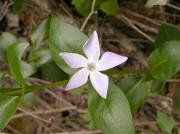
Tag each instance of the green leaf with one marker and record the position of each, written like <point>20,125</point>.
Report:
<point>157,85</point>
<point>112,114</point>
<point>21,48</point>
<point>39,34</point>
<point>19,5</point>
<point>40,57</point>
<point>83,7</point>
<point>151,3</point>
<point>64,37</point>
<point>136,91</point>
<point>6,39</point>
<point>8,106</point>
<point>28,100</point>
<point>27,69</point>
<point>164,62</point>
<point>14,65</point>
<point>110,7</point>
<point>176,100</point>
<point>166,123</point>
<point>53,72</point>
<point>166,33</point>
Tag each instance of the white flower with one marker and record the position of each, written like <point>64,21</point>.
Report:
<point>91,66</point>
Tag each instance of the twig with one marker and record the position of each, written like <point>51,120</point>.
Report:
<point>140,16</point>
<point>15,131</point>
<point>45,112</point>
<point>82,132</point>
<point>174,80</point>
<point>3,10</point>
<point>41,119</point>
<point>173,6</point>
<point>90,14</point>
<point>135,28</point>
<point>149,123</point>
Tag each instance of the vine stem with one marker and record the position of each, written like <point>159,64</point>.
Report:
<point>90,14</point>
<point>28,89</point>
<point>18,91</point>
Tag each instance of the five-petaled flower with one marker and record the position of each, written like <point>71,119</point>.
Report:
<point>91,66</point>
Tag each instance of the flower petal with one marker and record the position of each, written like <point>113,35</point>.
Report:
<point>110,60</point>
<point>74,60</point>
<point>100,82</point>
<point>91,48</point>
<point>78,79</point>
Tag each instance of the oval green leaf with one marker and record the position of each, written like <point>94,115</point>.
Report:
<point>164,62</point>
<point>8,106</point>
<point>112,114</point>
<point>14,65</point>
<point>64,37</point>
<point>136,91</point>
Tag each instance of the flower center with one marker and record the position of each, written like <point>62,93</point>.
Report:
<point>91,66</point>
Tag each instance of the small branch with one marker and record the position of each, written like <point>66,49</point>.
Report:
<point>41,119</point>
<point>136,28</point>
<point>173,6</point>
<point>83,132</point>
<point>18,91</point>
<point>46,112</point>
<point>90,14</point>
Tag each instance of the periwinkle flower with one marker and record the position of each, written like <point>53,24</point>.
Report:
<point>91,66</point>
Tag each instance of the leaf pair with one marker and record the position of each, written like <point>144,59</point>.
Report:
<point>19,70</point>
<point>164,61</point>
<point>110,7</point>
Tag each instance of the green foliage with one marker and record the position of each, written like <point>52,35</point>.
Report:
<point>28,100</point>
<point>166,33</point>
<point>53,72</point>
<point>176,100</point>
<point>64,38</point>
<point>40,57</point>
<point>39,34</point>
<point>157,85</point>
<point>83,7</point>
<point>136,90</point>
<point>20,70</point>
<point>112,114</point>
<point>151,3</point>
<point>14,65</point>
<point>6,39</point>
<point>8,106</point>
<point>164,61</point>
<point>39,53</point>
<point>110,7</point>
<point>19,5</point>
<point>166,123</point>
<point>18,50</point>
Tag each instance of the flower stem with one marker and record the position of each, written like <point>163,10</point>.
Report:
<point>18,91</point>
<point>28,89</point>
